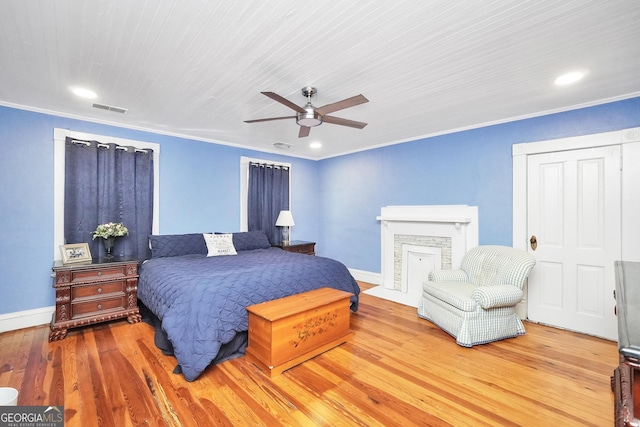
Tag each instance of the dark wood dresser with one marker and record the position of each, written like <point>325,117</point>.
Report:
<point>626,388</point>
<point>301,247</point>
<point>92,293</point>
<point>626,377</point>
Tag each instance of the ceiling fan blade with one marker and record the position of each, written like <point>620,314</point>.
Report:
<point>269,119</point>
<point>304,131</point>
<point>340,105</point>
<point>343,122</point>
<point>284,101</point>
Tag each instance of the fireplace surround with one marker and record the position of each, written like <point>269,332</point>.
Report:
<point>418,239</point>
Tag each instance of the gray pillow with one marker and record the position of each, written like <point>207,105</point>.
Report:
<point>177,244</point>
<point>247,240</point>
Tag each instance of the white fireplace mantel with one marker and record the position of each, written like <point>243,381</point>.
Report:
<point>457,221</point>
<point>431,213</point>
<point>420,219</point>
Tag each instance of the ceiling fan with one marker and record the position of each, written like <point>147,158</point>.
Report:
<point>310,116</point>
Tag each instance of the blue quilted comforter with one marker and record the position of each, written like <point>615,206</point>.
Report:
<point>201,300</point>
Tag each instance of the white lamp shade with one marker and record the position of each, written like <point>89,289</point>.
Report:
<point>285,219</point>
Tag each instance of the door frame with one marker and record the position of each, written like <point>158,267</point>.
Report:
<point>629,140</point>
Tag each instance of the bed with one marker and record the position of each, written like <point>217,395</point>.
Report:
<point>197,300</point>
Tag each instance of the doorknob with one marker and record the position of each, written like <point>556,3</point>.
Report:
<point>534,242</point>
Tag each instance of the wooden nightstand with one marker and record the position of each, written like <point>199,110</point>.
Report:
<point>92,293</point>
<point>301,247</point>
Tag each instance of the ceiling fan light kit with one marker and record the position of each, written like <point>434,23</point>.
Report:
<point>310,116</point>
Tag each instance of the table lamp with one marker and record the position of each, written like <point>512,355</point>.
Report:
<point>285,220</point>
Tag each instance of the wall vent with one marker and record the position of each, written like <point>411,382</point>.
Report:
<point>110,108</point>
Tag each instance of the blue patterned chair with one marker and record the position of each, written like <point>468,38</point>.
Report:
<point>476,304</point>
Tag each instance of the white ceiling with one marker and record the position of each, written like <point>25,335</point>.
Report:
<point>196,68</point>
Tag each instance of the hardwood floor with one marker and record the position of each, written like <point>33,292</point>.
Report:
<point>398,370</point>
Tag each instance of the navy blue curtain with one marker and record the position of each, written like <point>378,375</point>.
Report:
<point>268,195</point>
<point>108,183</point>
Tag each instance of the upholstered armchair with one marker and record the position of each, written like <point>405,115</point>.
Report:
<point>476,304</point>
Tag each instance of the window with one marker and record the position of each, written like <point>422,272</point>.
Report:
<point>59,177</point>
<point>279,200</point>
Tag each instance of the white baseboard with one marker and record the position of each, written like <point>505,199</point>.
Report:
<point>366,276</point>
<point>26,318</point>
<point>393,295</point>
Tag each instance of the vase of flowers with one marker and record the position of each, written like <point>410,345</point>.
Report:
<point>108,232</point>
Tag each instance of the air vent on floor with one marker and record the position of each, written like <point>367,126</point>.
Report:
<point>110,108</point>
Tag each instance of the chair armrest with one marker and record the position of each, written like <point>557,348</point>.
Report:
<point>448,276</point>
<point>497,296</point>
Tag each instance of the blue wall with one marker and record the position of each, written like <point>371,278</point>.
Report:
<point>473,167</point>
<point>199,191</point>
<point>335,201</point>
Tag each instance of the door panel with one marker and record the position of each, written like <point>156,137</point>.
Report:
<point>550,274</point>
<point>590,280</point>
<point>574,211</point>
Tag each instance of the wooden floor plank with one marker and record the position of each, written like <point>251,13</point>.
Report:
<point>9,351</point>
<point>398,369</point>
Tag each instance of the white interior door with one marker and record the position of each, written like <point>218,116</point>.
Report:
<point>573,208</point>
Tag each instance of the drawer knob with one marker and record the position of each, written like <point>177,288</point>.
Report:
<point>99,290</point>
<point>99,273</point>
<point>99,306</point>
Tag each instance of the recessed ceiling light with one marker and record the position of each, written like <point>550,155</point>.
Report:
<point>570,77</point>
<point>84,93</point>
<point>315,145</point>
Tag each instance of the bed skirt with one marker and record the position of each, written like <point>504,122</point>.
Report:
<point>234,348</point>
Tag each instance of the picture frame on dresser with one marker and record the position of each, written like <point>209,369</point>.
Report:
<point>75,253</point>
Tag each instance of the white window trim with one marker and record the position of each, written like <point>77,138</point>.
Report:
<point>244,187</point>
<point>59,136</point>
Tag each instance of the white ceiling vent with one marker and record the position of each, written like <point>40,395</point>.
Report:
<point>110,108</point>
<point>282,145</point>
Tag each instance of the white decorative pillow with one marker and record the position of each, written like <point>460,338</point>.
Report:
<point>219,244</point>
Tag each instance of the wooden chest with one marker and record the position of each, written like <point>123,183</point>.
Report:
<point>287,331</point>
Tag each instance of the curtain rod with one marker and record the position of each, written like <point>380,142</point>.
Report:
<point>267,165</point>
<point>79,141</point>
<point>118,147</point>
